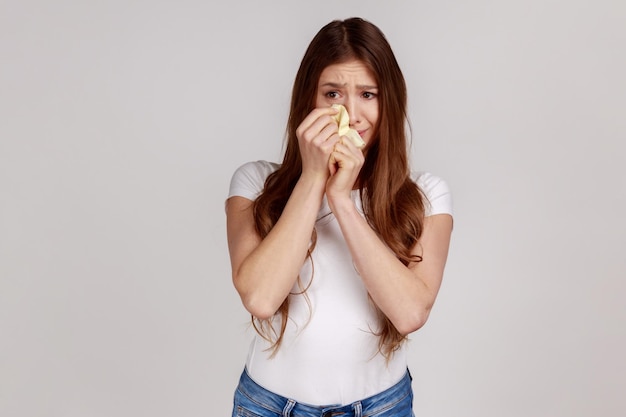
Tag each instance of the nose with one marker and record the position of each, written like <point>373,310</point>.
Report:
<point>353,110</point>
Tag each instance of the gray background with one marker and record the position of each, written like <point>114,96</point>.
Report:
<point>121,123</point>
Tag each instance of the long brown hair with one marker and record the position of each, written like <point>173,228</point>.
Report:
<point>393,204</point>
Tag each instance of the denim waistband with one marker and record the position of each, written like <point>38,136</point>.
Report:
<point>287,407</point>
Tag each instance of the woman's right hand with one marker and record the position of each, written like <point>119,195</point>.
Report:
<point>317,136</point>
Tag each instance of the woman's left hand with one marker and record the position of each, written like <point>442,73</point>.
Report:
<point>344,164</point>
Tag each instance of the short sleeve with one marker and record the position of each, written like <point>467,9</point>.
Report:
<point>437,193</point>
<point>248,180</point>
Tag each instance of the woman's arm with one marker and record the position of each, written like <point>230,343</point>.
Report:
<point>265,270</point>
<point>405,294</point>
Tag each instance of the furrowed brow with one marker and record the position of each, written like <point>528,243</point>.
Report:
<point>360,86</point>
<point>333,85</point>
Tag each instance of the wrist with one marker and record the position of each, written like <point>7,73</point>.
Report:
<point>313,181</point>
<point>341,204</point>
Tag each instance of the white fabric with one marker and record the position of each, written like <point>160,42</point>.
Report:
<point>329,354</point>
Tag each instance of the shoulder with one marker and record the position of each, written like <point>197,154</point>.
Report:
<point>248,179</point>
<point>256,169</point>
<point>436,191</point>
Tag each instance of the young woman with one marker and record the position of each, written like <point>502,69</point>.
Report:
<point>338,252</point>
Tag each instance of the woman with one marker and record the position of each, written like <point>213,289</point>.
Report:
<point>338,252</point>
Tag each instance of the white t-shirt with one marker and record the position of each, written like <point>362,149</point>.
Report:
<point>329,354</point>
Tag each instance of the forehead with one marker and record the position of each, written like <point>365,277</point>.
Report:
<point>345,72</point>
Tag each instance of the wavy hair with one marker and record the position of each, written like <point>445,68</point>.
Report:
<point>393,203</point>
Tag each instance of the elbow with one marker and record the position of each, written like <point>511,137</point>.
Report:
<point>413,321</point>
<point>258,307</point>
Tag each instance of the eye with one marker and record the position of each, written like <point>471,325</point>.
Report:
<point>332,94</point>
<point>369,95</point>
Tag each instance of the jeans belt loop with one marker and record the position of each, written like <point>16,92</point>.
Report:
<point>288,407</point>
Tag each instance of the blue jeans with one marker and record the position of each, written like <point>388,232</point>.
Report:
<point>252,400</point>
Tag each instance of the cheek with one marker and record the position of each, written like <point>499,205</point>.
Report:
<point>373,115</point>
<point>320,101</point>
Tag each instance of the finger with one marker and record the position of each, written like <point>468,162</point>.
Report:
<point>348,147</point>
<point>317,119</point>
<point>327,137</point>
<point>340,157</point>
<point>342,146</point>
<point>346,156</point>
<point>332,164</point>
<point>319,132</point>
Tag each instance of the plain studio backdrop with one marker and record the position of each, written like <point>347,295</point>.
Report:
<point>121,123</point>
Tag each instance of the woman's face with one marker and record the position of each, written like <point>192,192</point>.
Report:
<point>352,84</point>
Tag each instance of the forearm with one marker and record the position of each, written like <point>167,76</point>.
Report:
<point>267,275</point>
<point>400,294</point>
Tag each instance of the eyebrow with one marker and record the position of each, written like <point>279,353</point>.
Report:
<point>360,86</point>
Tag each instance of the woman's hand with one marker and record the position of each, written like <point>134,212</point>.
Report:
<point>344,165</point>
<point>317,136</point>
